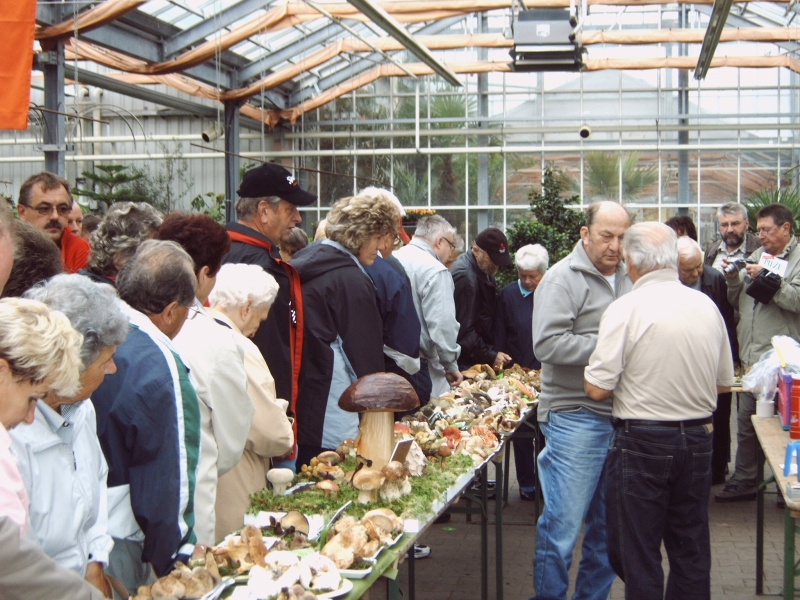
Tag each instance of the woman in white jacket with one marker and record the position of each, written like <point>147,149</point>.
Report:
<point>59,455</point>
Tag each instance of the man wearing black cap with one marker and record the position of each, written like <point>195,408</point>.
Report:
<point>476,298</point>
<point>267,213</point>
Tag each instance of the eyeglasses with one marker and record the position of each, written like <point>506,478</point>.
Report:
<point>45,208</point>
<point>767,230</point>
<point>451,244</point>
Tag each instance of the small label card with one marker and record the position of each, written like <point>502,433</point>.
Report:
<point>776,265</point>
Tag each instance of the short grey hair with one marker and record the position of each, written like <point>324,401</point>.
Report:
<point>433,227</point>
<point>92,308</point>
<point>247,208</point>
<point>458,242</point>
<point>532,257</point>
<point>161,272</point>
<point>688,248</point>
<point>239,283</point>
<point>120,232</point>
<point>732,208</point>
<point>650,246</point>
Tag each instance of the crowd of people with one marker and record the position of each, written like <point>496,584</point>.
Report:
<point>154,373</point>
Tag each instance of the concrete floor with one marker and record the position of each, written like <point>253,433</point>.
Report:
<point>452,572</point>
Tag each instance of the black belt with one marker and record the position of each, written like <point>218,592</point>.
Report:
<point>645,423</point>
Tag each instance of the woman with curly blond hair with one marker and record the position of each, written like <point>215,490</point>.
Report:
<point>39,351</point>
<point>343,332</point>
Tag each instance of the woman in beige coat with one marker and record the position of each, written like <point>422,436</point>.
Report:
<point>241,300</point>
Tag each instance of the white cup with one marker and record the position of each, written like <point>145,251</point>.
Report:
<point>765,409</point>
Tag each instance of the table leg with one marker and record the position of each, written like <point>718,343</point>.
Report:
<point>498,531</point>
<point>393,589</point>
<point>484,534</point>
<point>506,460</point>
<point>760,523</point>
<point>788,554</point>
<point>412,592</point>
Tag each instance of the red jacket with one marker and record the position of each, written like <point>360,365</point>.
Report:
<point>74,251</point>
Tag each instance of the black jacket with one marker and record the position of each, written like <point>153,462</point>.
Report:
<point>273,335</point>
<point>712,284</point>
<point>476,300</point>
<point>513,326</point>
<point>338,303</point>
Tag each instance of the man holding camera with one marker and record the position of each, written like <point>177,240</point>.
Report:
<point>766,290</point>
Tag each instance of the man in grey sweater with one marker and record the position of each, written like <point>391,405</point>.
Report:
<point>568,305</point>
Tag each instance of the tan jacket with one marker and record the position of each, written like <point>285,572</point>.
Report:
<point>759,322</point>
<point>270,435</point>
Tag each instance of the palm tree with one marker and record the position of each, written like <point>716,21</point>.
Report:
<point>602,175</point>
<point>790,197</point>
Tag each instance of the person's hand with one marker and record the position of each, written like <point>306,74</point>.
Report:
<point>454,378</point>
<point>754,270</point>
<point>501,359</point>
<point>96,577</point>
<point>725,264</point>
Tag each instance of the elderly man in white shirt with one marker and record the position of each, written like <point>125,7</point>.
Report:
<point>662,354</point>
<point>432,286</point>
<point>59,455</point>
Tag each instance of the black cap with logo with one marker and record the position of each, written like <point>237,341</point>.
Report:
<point>494,242</point>
<point>271,179</point>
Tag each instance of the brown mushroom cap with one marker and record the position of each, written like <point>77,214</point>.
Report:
<point>379,391</point>
<point>329,457</point>
<point>296,519</point>
<point>368,479</point>
<point>328,487</point>
<point>394,471</point>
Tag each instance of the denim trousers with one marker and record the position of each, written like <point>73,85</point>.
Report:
<point>658,483</point>
<point>571,468</point>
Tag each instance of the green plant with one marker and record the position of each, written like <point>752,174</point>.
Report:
<point>556,226</point>
<point>112,184</point>
<point>213,207</point>
<point>790,197</point>
<point>167,184</point>
<point>602,175</point>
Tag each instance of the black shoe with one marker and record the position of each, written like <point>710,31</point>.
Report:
<point>736,492</point>
<point>780,502</point>
<point>444,517</point>
<point>420,551</point>
<point>491,491</point>
<point>527,496</point>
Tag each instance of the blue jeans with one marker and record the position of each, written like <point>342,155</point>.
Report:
<point>657,488</point>
<point>571,475</point>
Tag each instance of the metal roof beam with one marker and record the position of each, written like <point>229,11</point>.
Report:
<point>202,30</point>
<point>148,95</point>
<point>361,65</point>
<point>256,68</point>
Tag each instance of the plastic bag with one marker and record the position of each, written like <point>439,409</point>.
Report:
<point>762,379</point>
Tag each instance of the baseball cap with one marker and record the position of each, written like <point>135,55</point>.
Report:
<point>271,179</point>
<point>494,242</point>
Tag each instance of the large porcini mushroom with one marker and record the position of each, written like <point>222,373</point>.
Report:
<point>378,396</point>
<point>368,481</point>
<point>280,480</point>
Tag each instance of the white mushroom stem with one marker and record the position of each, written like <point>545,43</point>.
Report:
<point>376,437</point>
<point>366,496</point>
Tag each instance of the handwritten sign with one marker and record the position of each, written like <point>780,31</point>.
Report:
<point>776,265</point>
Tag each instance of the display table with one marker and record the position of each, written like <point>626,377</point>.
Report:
<point>772,443</point>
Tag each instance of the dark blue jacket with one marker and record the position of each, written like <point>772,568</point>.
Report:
<point>513,326</point>
<point>148,423</point>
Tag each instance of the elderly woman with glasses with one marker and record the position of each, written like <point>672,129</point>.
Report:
<point>39,351</point>
<point>343,331</point>
<point>241,300</point>
<point>59,455</point>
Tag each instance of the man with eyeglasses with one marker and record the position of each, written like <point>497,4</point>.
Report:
<point>735,241</point>
<point>432,288</point>
<point>45,202</point>
<point>768,305</point>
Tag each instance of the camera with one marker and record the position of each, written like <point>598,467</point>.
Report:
<point>585,131</point>
<point>735,266</point>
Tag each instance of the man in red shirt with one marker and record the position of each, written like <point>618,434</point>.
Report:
<point>45,202</point>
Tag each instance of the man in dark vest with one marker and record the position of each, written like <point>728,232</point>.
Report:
<point>266,214</point>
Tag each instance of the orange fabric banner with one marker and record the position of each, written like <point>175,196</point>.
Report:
<point>17,22</point>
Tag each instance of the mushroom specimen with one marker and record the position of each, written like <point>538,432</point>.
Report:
<point>328,487</point>
<point>368,481</point>
<point>378,396</point>
<point>280,480</point>
<point>444,451</point>
<point>396,482</point>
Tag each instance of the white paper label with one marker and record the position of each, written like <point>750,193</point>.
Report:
<point>543,30</point>
<point>776,265</point>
